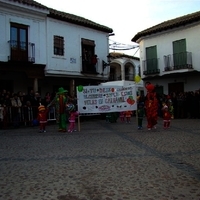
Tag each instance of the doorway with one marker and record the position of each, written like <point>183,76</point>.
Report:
<point>175,87</point>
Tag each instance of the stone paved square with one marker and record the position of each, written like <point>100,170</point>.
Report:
<point>104,161</point>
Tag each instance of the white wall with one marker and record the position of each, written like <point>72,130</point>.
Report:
<point>72,38</point>
<point>163,41</point>
<point>37,32</point>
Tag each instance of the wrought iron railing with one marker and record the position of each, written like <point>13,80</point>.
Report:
<point>21,51</point>
<point>177,61</point>
<point>150,66</point>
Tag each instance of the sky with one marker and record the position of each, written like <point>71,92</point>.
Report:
<point>127,17</point>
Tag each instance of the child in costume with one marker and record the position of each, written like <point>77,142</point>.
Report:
<point>128,114</point>
<point>140,115</point>
<point>166,117</point>
<point>111,117</point>
<point>171,108</point>
<point>72,117</point>
<point>42,118</point>
<point>108,116</point>
<point>122,116</point>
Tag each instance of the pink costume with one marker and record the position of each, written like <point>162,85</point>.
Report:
<point>72,120</point>
<point>122,115</point>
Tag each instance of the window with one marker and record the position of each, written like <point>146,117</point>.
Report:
<point>151,55</point>
<point>19,42</point>
<point>58,45</point>
<point>88,53</point>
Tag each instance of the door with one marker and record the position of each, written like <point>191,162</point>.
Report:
<point>19,42</point>
<point>175,87</point>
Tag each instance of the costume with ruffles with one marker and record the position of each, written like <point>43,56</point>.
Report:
<point>151,106</point>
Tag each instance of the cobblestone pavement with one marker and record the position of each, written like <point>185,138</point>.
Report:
<point>104,161</point>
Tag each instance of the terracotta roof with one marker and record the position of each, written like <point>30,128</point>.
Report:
<point>170,24</point>
<point>74,19</point>
<point>31,3</point>
<point>66,16</point>
<point>114,55</point>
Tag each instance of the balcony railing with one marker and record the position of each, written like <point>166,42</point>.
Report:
<point>150,66</point>
<point>21,51</point>
<point>129,77</point>
<point>178,61</point>
<point>89,68</point>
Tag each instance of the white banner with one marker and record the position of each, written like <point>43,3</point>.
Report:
<point>104,99</point>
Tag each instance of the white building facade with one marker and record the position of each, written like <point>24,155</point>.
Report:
<point>22,44</point>
<point>44,49</point>
<point>169,54</point>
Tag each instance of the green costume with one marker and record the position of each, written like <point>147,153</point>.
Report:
<point>60,103</point>
<point>112,117</point>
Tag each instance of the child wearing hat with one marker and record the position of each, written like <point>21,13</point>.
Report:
<point>42,118</point>
<point>166,116</point>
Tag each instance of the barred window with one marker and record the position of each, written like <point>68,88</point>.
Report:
<point>58,45</point>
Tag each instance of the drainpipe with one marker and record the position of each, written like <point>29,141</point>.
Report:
<point>72,87</point>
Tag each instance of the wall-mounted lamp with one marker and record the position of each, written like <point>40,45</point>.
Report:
<point>104,64</point>
<point>111,34</point>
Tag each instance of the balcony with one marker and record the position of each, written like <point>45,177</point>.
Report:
<point>129,77</point>
<point>89,68</point>
<point>150,66</point>
<point>178,61</point>
<point>21,52</point>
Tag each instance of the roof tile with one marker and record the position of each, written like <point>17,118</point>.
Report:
<point>170,24</point>
<point>66,16</point>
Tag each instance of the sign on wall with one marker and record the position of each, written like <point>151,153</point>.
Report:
<point>103,99</point>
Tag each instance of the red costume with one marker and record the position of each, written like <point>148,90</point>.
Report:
<point>42,118</point>
<point>151,106</point>
<point>166,117</point>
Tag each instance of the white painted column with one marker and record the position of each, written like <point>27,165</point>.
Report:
<point>122,72</point>
<point>35,85</point>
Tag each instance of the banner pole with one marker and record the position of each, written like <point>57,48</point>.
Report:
<point>79,125</point>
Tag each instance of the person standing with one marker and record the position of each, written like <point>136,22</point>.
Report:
<point>166,117</point>
<point>42,118</point>
<point>72,117</point>
<point>140,115</point>
<point>16,110</point>
<point>151,106</point>
<point>60,101</point>
<point>128,114</point>
<point>122,116</point>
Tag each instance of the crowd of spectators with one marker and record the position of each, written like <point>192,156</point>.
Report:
<point>185,104</point>
<point>32,98</point>
<point>13,104</point>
